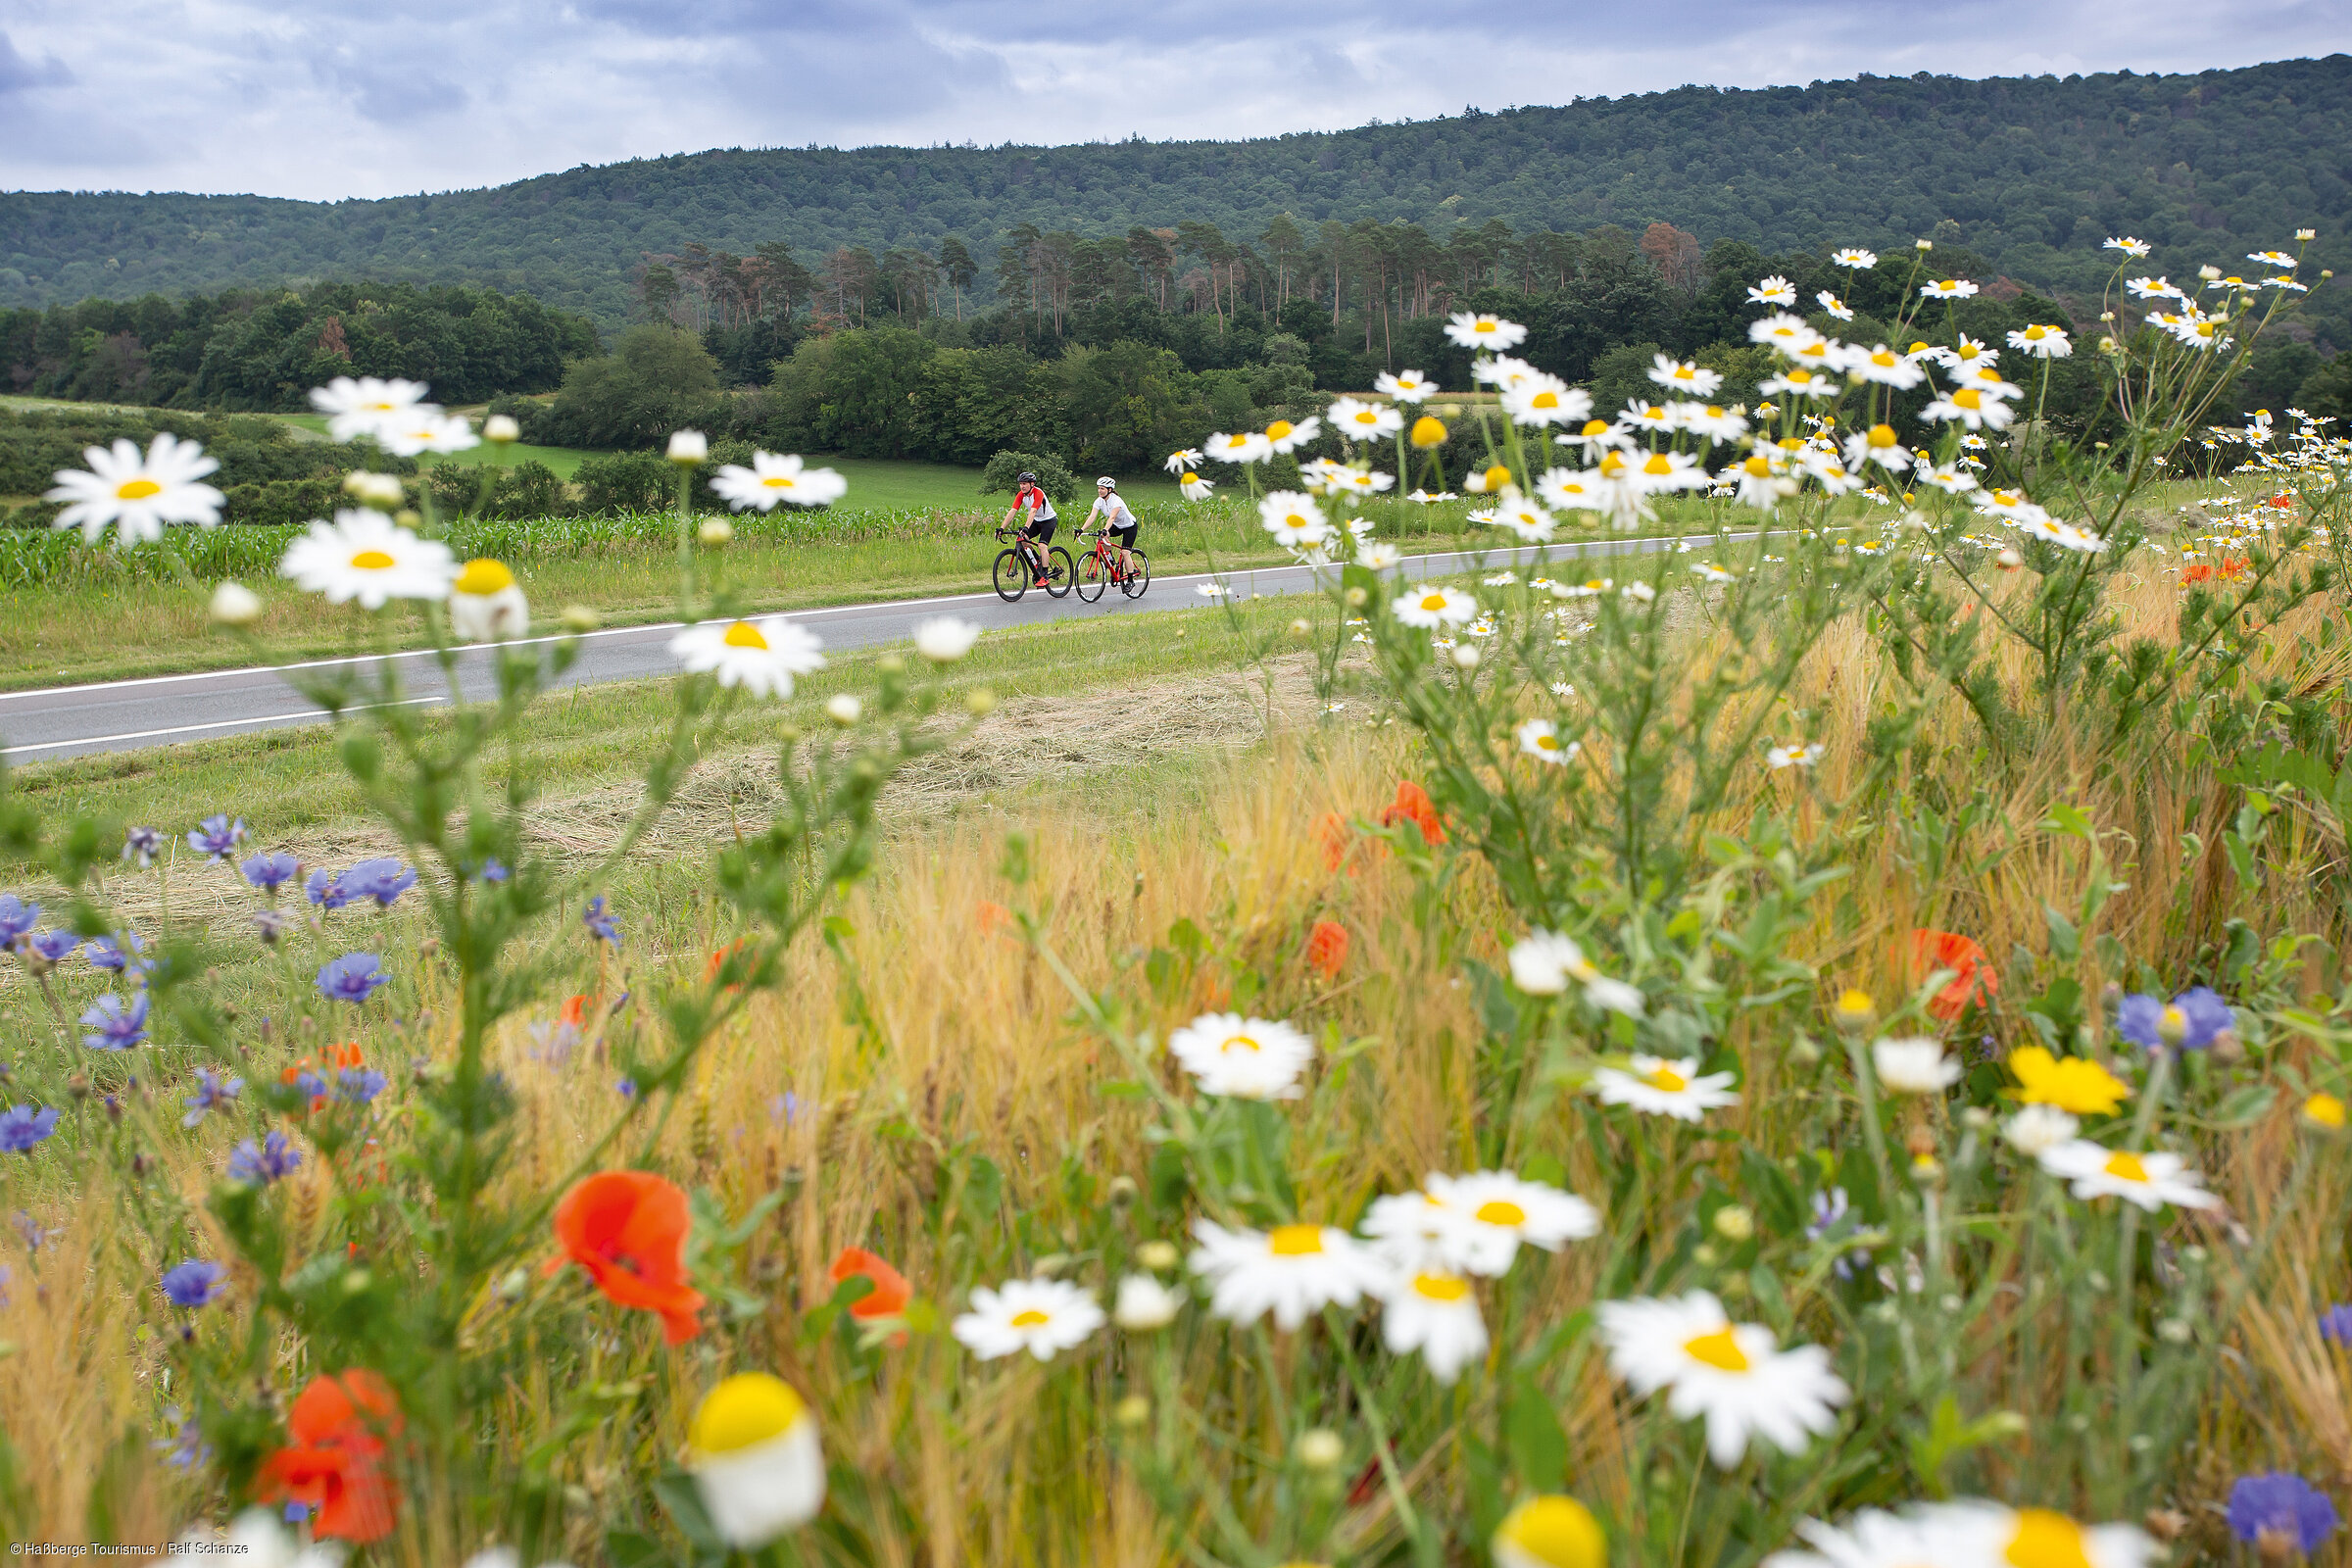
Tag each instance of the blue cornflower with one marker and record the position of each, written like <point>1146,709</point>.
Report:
<point>16,918</point>
<point>216,838</point>
<point>325,889</point>
<point>601,925</point>
<point>21,1127</point>
<point>492,869</point>
<point>2281,1506</point>
<point>270,870</point>
<point>115,953</point>
<point>2335,1324</point>
<point>383,880</point>
<point>29,1228</point>
<point>628,1088</point>
<point>212,1092</point>
<point>195,1283</point>
<point>142,844</point>
<point>352,977</point>
<point>54,947</point>
<point>357,1086</point>
<point>307,1084</point>
<point>114,1026</point>
<point>2191,1020</point>
<point>1833,1221</point>
<point>784,1108</point>
<point>274,1157</point>
<point>186,1449</point>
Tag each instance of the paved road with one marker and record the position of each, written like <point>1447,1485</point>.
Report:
<point>57,721</point>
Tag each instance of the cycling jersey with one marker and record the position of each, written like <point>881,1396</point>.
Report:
<point>1118,518</point>
<point>1040,507</point>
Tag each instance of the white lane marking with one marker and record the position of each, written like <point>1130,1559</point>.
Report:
<point>190,729</point>
<point>1577,547</point>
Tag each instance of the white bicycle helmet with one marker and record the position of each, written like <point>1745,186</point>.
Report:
<point>1108,480</point>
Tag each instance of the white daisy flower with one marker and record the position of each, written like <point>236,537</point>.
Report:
<point>944,639</point>
<point>425,429</point>
<point>137,495</point>
<point>760,656</point>
<point>1774,290</point>
<point>1915,1066</point>
<point>1659,1087</point>
<point>1978,410</point>
<point>1681,375</point>
<point>1718,424</point>
<point>1406,386</point>
<point>1733,1374</point>
<point>1972,1530</point>
<point>1550,1531</point>
<point>2153,288</point>
<point>2128,245</point>
<point>1539,739</point>
<point>1359,420</point>
<point>1195,488</point>
<point>1577,490</point>
<point>2150,1180</point>
<point>1179,462</point>
<point>1470,330</point>
<point>1637,592</point>
<point>1951,479</point>
<point>1044,1317</point>
<point>1545,400</point>
<point>1802,755</point>
<point>1294,519</point>
<point>1284,436</point>
<point>365,556</point>
<point>1243,1058</point>
<point>1987,379</point>
<point>2065,536</point>
<point>1485,1217</point>
<point>1871,1539</point>
<point>1438,1315</point>
<point>1358,483</point>
<point>1430,608</point>
<point>772,478</point>
<point>1660,472</point>
<point>1291,1271</point>
<point>2036,1130</point>
<point>1798,382</point>
<point>1785,332</point>
<point>1522,516</point>
<point>1246,446</point>
<point>1947,289</point>
<point>1373,555</point>
<point>1598,436</point>
<point>1834,306</point>
<point>1359,528</point>
<point>1709,573</point>
<point>1880,445</point>
<point>1855,258</point>
<point>2201,331</point>
<point>1504,372</point>
<point>486,603</point>
<point>2043,342</point>
<point>1885,366</point>
<point>1144,1304</point>
<point>364,408</point>
<point>758,1464</point>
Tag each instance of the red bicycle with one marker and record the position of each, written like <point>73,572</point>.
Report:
<point>1101,566</point>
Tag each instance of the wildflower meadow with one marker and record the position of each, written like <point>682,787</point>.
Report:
<point>1821,1040</point>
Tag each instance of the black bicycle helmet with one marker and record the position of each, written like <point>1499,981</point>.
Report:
<point>1027,477</point>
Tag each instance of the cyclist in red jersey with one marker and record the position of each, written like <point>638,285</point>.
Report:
<point>1036,512</point>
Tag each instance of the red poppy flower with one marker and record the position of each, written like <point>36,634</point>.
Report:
<point>1327,948</point>
<point>339,1426</point>
<point>575,1011</point>
<point>1331,829</point>
<point>1413,805</point>
<point>890,1291</point>
<point>1972,977</point>
<point>992,916</point>
<point>627,1228</point>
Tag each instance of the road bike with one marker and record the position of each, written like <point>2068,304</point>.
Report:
<point>1018,562</point>
<point>1099,567</point>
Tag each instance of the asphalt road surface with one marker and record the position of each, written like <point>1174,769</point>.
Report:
<point>50,722</point>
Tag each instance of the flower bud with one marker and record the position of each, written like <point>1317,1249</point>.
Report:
<point>1302,627</point>
<point>844,709</point>
<point>1123,1191</point>
<point>2166,1524</point>
<point>687,448</point>
<point>2324,1113</point>
<point>378,490</point>
<point>578,619</point>
<point>2210,273</point>
<point>500,430</point>
<point>1321,1448</point>
<point>1735,1224</point>
<point>1428,432</point>
<point>1144,1304</point>
<point>980,702</point>
<point>409,518</point>
<point>235,605</point>
<point>1132,1411</point>
<point>1157,1254</point>
<point>1465,656</point>
<point>1355,598</point>
<point>2008,560</point>
<point>714,531</point>
<point>1854,1012</point>
<point>2226,1049</point>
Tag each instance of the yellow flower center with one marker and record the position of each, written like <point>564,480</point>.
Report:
<point>1666,1078</point>
<point>778,481</point>
<point>2125,1166</point>
<point>1191,478</point>
<point>1500,1210</point>
<point>1433,603</point>
<point>2325,1111</point>
<point>1296,1241</point>
<point>1593,427</point>
<point>1543,742</point>
<point>1486,323</point>
<point>1854,1003</point>
<point>1967,397</point>
<point>1612,466</point>
<point>2045,1540</point>
<point>743,634</point>
<point>484,577</point>
<point>1756,467</point>
<point>372,561</point>
<point>1235,1042</point>
<point>1882,436</point>
<point>1714,413</point>
<point>1719,1349</point>
<point>1557,1532</point>
<point>1657,465</point>
<point>1545,399</point>
<point>137,489</point>
<point>2034,335</point>
<point>1031,1319</point>
<point>1295,521</point>
<point>1366,417</point>
<point>1884,359</point>
<point>1278,429</point>
<point>1441,1286</point>
<point>746,1409</point>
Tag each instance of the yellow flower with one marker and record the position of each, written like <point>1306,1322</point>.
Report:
<point>2074,1084</point>
<point>1550,1532</point>
<point>1855,1009</point>
<point>2325,1111</point>
<point>1428,431</point>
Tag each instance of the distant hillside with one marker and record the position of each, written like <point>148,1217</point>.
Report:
<point>2030,174</point>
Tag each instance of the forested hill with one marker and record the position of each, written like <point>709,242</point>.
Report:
<point>2033,172</point>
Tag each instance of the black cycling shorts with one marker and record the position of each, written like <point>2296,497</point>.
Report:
<point>1125,536</point>
<point>1041,529</point>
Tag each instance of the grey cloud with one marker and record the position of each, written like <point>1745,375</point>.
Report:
<point>19,74</point>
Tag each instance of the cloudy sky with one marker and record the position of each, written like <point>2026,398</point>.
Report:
<point>332,98</point>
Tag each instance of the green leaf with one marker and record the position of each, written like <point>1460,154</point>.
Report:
<point>684,1506</point>
<point>1539,1445</point>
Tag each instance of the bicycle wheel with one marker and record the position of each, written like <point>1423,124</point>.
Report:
<point>1091,578</point>
<point>1059,572</point>
<point>1011,574</point>
<point>1139,576</point>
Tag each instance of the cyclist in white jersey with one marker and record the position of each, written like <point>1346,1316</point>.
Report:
<point>1118,519</point>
